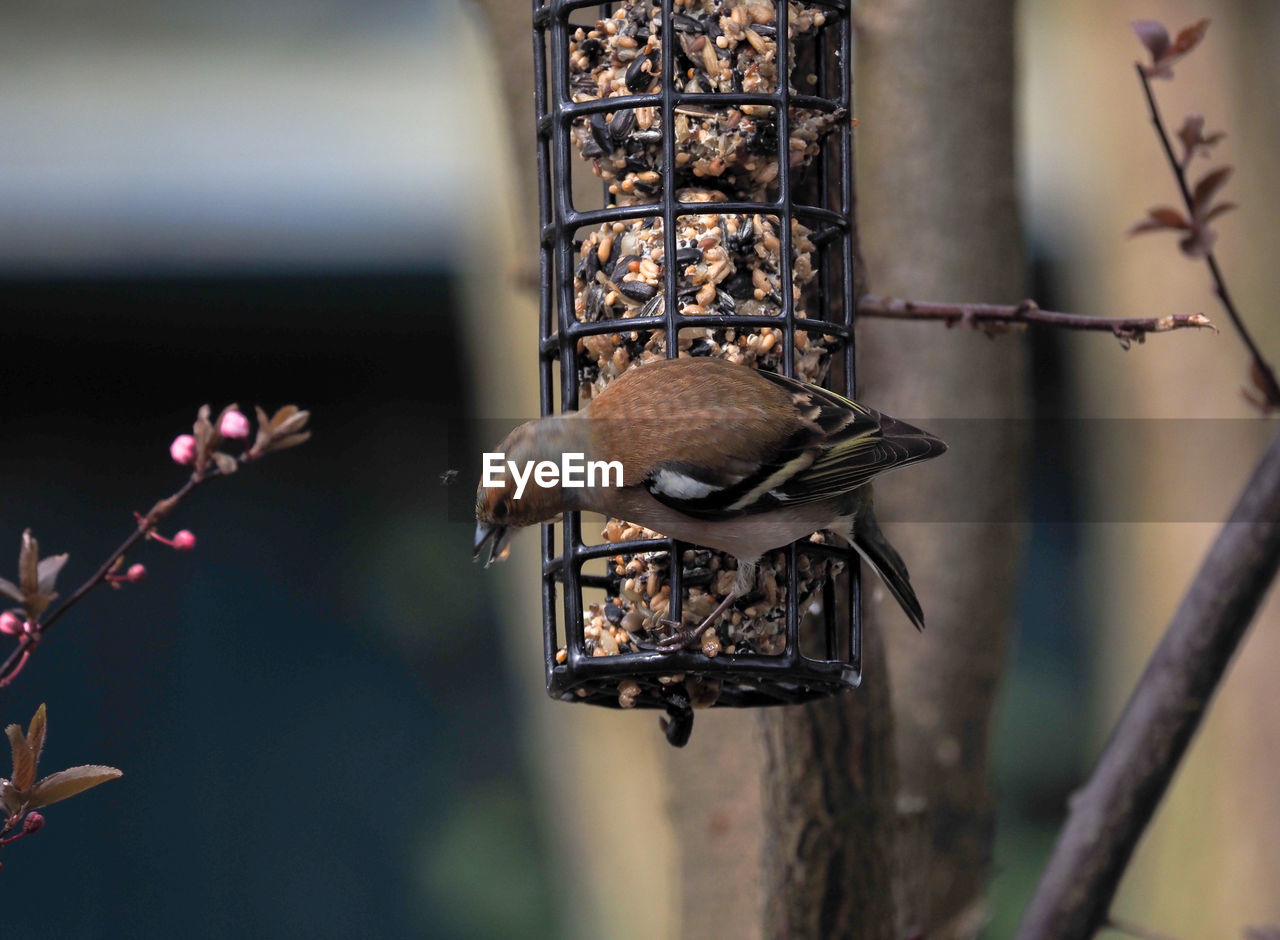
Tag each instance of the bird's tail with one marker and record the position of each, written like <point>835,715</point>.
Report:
<point>885,562</point>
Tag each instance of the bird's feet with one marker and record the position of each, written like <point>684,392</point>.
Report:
<point>681,638</point>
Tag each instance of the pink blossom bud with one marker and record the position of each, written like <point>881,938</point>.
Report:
<point>10,624</point>
<point>32,823</point>
<point>183,449</point>
<point>184,541</point>
<point>234,425</point>
<point>136,573</point>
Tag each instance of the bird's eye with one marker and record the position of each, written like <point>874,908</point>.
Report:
<point>500,509</point>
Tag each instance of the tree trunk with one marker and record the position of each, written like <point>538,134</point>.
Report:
<point>848,855</point>
<point>939,220</point>
<point>829,812</point>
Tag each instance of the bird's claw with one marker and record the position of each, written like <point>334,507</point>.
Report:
<point>680,638</point>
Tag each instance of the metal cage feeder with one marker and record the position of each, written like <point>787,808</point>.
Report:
<point>822,651</point>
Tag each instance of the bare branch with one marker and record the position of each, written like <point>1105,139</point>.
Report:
<point>18,657</point>
<point>1110,813</point>
<point>997,318</point>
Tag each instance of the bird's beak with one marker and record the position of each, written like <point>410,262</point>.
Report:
<point>500,538</point>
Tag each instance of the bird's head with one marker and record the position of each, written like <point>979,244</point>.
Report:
<point>513,498</point>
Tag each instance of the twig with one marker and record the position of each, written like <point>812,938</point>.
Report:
<point>997,317</point>
<point>1265,374</point>
<point>28,642</point>
<point>1110,813</point>
<point>147,524</point>
<point>281,431</point>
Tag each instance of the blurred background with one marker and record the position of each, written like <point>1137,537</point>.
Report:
<point>327,722</point>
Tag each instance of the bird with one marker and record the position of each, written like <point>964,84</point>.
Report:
<point>716,454</point>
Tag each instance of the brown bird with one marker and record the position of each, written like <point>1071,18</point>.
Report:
<point>716,454</point>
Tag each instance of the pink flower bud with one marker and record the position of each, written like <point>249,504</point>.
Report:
<point>183,449</point>
<point>136,573</point>
<point>184,541</point>
<point>234,425</point>
<point>32,823</point>
<point>10,624</point>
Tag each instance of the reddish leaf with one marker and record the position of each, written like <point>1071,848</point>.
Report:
<point>206,436</point>
<point>1167,215</point>
<point>29,564</point>
<point>1187,39</point>
<point>281,416</point>
<point>36,732</point>
<point>227,464</point>
<point>1220,209</point>
<point>10,797</point>
<point>202,430</point>
<point>69,782</point>
<point>23,793</point>
<point>295,422</point>
<point>47,571</point>
<point>1266,385</point>
<point>291,440</point>
<point>1164,53</point>
<point>1208,187</point>
<point>1257,377</point>
<point>24,762</point>
<point>263,437</point>
<point>1161,218</point>
<point>37,604</point>
<point>10,589</point>
<point>1199,242</point>
<point>1191,133</point>
<point>1193,138</point>
<point>1153,35</point>
<point>283,430</point>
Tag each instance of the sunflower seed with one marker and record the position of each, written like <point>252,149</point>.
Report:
<point>637,290</point>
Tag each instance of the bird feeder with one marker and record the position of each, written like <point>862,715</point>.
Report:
<point>720,134</point>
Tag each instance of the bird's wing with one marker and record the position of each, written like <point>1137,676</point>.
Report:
<point>827,446</point>
<point>705,491</point>
<point>859,444</point>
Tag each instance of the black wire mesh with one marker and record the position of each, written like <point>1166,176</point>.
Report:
<point>819,194</point>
